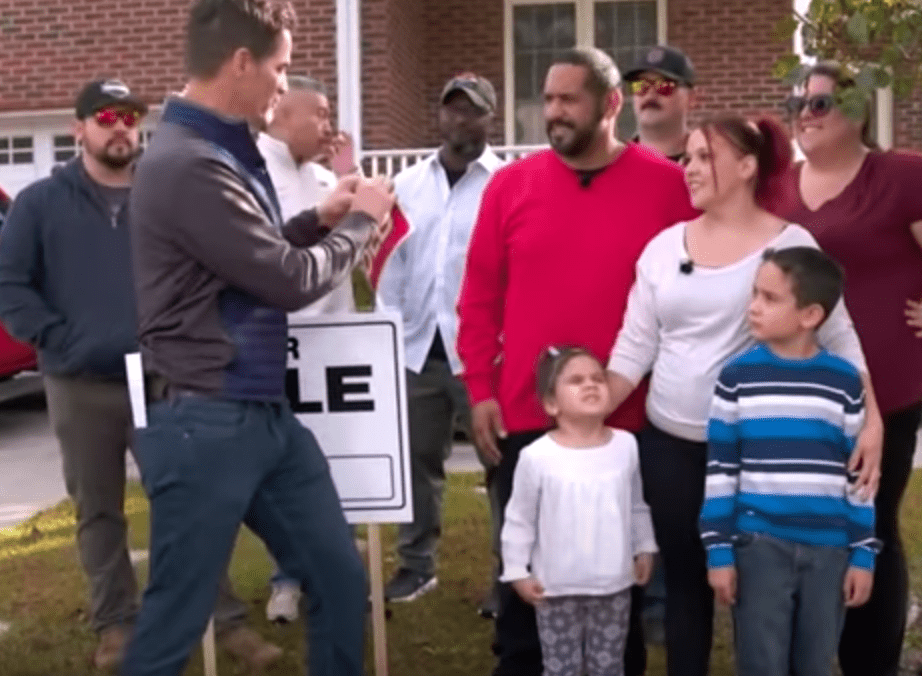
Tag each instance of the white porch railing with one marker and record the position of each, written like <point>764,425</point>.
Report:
<point>392,162</point>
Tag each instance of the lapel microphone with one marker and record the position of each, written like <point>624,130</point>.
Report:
<point>686,266</point>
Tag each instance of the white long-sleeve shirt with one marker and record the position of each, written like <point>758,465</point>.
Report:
<point>422,278</point>
<point>686,326</point>
<point>577,518</point>
<point>300,188</point>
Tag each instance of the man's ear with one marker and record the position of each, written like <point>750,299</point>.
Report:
<point>78,129</point>
<point>613,102</point>
<point>240,61</point>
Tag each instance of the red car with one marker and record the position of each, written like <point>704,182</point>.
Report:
<point>14,356</point>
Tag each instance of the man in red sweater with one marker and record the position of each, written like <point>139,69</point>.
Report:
<point>551,262</point>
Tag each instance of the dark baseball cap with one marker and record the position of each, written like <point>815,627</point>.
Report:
<point>668,62</point>
<point>477,89</point>
<point>98,94</point>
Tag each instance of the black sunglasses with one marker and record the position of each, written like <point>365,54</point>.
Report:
<point>818,104</point>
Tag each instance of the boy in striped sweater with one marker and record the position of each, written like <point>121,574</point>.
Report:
<point>790,544</point>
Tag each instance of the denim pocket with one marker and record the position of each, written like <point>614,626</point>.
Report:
<point>162,454</point>
<point>209,418</point>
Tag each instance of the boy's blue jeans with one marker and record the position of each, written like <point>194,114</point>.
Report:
<point>209,465</point>
<point>790,607</point>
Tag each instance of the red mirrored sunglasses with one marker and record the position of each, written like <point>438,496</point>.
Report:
<point>107,117</point>
<point>661,86</point>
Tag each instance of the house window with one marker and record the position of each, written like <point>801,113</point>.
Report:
<point>541,32</point>
<point>16,150</point>
<point>65,148</point>
<point>538,30</point>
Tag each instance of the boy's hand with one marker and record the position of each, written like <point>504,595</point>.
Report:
<point>723,582</point>
<point>858,585</point>
<point>530,590</point>
<point>643,568</point>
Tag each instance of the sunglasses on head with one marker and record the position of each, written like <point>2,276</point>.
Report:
<point>107,117</point>
<point>661,86</point>
<point>818,104</point>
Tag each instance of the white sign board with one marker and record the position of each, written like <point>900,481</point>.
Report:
<point>346,383</point>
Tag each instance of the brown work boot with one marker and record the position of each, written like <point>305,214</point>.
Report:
<point>111,649</point>
<point>244,644</point>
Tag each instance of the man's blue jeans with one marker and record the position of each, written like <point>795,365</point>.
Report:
<point>790,607</point>
<point>207,465</point>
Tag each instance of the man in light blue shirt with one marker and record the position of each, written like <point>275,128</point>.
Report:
<point>440,197</point>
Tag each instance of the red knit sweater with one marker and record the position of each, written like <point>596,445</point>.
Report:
<point>551,263</point>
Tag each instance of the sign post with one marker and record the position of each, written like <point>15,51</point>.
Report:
<point>346,382</point>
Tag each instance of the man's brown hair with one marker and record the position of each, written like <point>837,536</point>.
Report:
<point>218,28</point>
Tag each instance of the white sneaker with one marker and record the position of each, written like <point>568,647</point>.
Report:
<point>283,604</point>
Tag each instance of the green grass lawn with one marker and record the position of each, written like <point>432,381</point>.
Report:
<point>42,596</point>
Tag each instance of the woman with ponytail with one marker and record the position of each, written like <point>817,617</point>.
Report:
<point>686,316</point>
<point>864,207</point>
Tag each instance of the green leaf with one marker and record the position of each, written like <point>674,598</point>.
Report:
<point>866,79</point>
<point>853,101</point>
<point>784,29</point>
<point>902,87</point>
<point>882,78</point>
<point>903,34</point>
<point>858,28</point>
<point>785,66</point>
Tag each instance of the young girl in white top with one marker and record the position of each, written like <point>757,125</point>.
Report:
<point>686,317</point>
<point>577,532</point>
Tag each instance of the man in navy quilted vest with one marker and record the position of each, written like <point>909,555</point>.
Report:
<point>216,269</point>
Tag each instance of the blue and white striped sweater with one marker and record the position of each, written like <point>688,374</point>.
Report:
<point>779,439</point>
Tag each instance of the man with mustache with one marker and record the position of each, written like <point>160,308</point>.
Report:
<point>550,263</point>
<point>66,288</point>
<point>662,85</point>
<point>663,88</point>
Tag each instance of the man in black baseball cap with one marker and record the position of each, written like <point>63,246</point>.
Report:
<point>108,121</point>
<point>100,94</point>
<point>663,87</point>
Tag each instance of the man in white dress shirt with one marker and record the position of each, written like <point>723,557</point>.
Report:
<point>299,134</point>
<point>440,197</point>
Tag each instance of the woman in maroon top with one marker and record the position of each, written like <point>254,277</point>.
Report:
<point>864,206</point>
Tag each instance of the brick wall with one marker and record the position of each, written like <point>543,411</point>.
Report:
<point>393,72</point>
<point>51,47</point>
<point>730,43</point>
<point>410,47</point>
<point>469,35</point>
<point>907,127</point>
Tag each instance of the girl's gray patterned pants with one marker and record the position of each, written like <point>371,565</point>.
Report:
<point>584,634</point>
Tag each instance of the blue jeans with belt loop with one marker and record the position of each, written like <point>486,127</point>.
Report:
<point>209,465</point>
<point>790,606</point>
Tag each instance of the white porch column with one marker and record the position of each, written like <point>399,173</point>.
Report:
<point>349,71</point>
<point>885,118</point>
